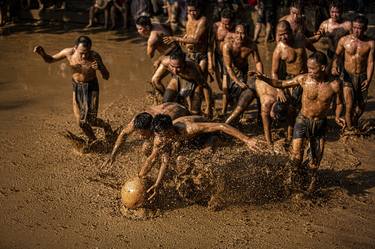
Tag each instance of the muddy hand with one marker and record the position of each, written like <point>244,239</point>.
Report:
<point>281,96</point>
<point>107,163</point>
<point>94,65</point>
<point>364,85</point>
<point>340,122</point>
<point>154,189</point>
<point>252,145</point>
<point>38,49</point>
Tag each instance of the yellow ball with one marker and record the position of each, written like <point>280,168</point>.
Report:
<point>133,193</point>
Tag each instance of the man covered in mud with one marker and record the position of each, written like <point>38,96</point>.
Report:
<point>295,18</point>
<point>154,32</point>
<point>187,77</point>
<point>167,133</point>
<point>333,28</point>
<point>141,125</point>
<point>84,63</point>
<point>289,59</point>
<point>196,37</point>
<point>311,122</point>
<point>215,56</point>
<point>357,51</point>
<point>236,53</point>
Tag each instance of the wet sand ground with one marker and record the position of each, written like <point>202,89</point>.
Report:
<point>51,197</point>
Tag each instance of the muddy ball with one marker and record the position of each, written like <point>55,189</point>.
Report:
<point>133,193</point>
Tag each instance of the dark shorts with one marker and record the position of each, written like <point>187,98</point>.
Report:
<point>185,89</point>
<point>354,82</point>
<point>219,62</point>
<point>197,57</point>
<point>234,91</point>
<point>313,130</point>
<point>267,15</point>
<point>87,99</point>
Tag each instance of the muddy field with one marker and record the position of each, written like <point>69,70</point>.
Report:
<point>52,197</point>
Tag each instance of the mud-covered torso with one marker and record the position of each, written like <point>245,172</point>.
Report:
<point>82,70</point>
<point>316,97</point>
<point>295,57</point>
<point>356,54</point>
<point>191,29</point>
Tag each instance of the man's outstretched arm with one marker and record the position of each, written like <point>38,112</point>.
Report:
<point>150,161</point>
<point>51,58</point>
<point>280,83</point>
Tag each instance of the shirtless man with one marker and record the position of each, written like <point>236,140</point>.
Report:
<point>295,18</point>
<point>357,51</point>
<point>236,53</point>
<point>290,51</point>
<point>311,122</point>
<point>84,63</point>
<point>141,125</point>
<point>180,130</point>
<point>98,6</point>
<point>196,37</point>
<point>215,56</point>
<point>187,77</point>
<point>334,28</point>
<point>154,32</point>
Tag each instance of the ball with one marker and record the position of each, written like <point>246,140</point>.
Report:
<point>133,193</point>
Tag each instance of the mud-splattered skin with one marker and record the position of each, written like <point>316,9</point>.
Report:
<point>82,61</point>
<point>358,54</point>
<point>295,20</point>
<point>174,110</point>
<point>155,36</point>
<point>184,128</point>
<point>333,28</point>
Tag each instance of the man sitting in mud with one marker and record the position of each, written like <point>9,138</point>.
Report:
<point>186,77</point>
<point>333,28</point>
<point>84,63</point>
<point>215,56</point>
<point>357,51</point>
<point>289,59</point>
<point>311,122</point>
<point>236,52</point>
<point>167,133</point>
<point>141,125</point>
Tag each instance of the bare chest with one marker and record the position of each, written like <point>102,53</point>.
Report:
<point>314,92</point>
<point>355,47</point>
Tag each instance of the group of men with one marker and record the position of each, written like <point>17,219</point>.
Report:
<point>302,87</point>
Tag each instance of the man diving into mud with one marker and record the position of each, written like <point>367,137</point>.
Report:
<point>311,122</point>
<point>84,63</point>
<point>141,125</point>
<point>168,133</point>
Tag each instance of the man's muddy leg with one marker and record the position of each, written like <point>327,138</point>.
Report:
<point>348,98</point>
<point>170,94</point>
<point>196,101</point>
<point>244,101</point>
<point>86,128</point>
<point>294,164</point>
<point>314,166</point>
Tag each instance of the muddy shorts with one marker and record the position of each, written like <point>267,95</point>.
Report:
<point>234,90</point>
<point>197,57</point>
<point>311,129</point>
<point>87,99</point>
<point>354,82</point>
<point>219,64</point>
<point>185,89</point>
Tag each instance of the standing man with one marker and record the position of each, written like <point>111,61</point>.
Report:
<point>311,123</point>
<point>334,28</point>
<point>357,51</point>
<point>215,56</point>
<point>266,16</point>
<point>84,63</point>
<point>290,51</point>
<point>236,54</point>
<point>295,18</point>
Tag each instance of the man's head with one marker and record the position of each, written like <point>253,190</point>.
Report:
<point>144,25</point>
<point>162,124</point>
<point>240,33</point>
<point>283,31</point>
<point>143,124</point>
<point>335,10</point>
<point>359,26</point>
<point>193,9</point>
<point>83,46</point>
<point>176,61</point>
<point>226,18</point>
<point>316,64</point>
<point>295,11</point>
